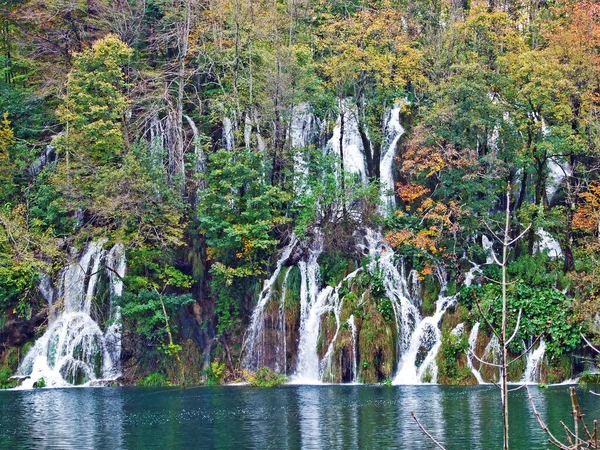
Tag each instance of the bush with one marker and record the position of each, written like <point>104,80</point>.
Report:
<point>265,377</point>
<point>5,381</point>
<point>154,379</point>
<point>215,373</point>
<point>589,378</point>
<point>39,384</point>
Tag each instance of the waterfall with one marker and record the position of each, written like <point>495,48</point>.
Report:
<point>473,335</point>
<point>417,363</point>
<point>74,349</point>
<point>310,370</point>
<point>426,336</point>
<point>393,133</point>
<point>546,242</point>
<point>282,367</point>
<point>354,154</point>
<point>406,313</point>
<point>535,359</point>
<point>354,332</point>
<point>228,128</point>
<point>253,357</point>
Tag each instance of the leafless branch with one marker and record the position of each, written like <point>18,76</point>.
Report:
<point>412,413</point>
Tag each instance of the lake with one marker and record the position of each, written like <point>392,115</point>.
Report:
<point>287,417</point>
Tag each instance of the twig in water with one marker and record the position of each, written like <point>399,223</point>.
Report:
<point>412,413</point>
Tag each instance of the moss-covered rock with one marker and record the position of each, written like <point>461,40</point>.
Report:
<point>377,340</point>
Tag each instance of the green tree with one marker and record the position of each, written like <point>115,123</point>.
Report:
<point>238,214</point>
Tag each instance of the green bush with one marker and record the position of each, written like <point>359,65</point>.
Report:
<point>265,377</point>
<point>589,378</point>
<point>215,373</point>
<point>5,381</point>
<point>39,384</point>
<point>154,379</point>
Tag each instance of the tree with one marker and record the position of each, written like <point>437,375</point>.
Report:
<point>94,106</point>
<point>7,139</point>
<point>238,214</point>
<point>369,56</point>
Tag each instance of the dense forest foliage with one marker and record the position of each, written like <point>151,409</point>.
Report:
<point>165,125</point>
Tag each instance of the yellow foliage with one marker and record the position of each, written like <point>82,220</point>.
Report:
<point>587,215</point>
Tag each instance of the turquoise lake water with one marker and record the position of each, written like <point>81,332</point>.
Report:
<point>287,417</point>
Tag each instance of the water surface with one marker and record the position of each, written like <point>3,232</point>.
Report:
<point>288,417</point>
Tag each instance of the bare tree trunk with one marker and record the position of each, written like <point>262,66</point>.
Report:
<point>503,362</point>
<point>183,32</point>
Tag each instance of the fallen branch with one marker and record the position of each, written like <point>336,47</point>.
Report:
<point>412,413</point>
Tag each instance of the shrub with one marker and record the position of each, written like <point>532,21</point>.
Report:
<point>265,377</point>
<point>589,378</point>
<point>215,373</point>
<point>5,381</point>
<point>154,379</point>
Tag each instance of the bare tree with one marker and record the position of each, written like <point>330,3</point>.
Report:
<point>504,338</point>
<point>580,437</point>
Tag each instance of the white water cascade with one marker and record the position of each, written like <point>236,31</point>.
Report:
<point>535,359</point>
<point>254,353</point>
<point>473,335</point>
<point>397,289</point>
<point>354,332</point>
<point>418,361</point>
<point>313,304</point>
<point>393,132</point>
<point>74,349</point>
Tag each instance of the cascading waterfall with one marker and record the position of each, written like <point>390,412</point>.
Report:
<point>254,353</point>
<point>535,359</point>
<point>354,332</point>
<point>417,363</point>
<point>393,132</point>
<point>473,335</point>
<point>313,304</point>
<point>75,350</point>
<point>354,153</point>
<point>419,339</point>
<point>335,306</point>
<point>426,335</point>
<point>383,262</point>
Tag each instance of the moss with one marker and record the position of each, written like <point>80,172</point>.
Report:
<point>39,384</point>
<point>154,379</point>
<point>430,293</point>
<point>559,369</point>
<point>589,378</point>
<point>334,267</point>
<point>5,381</point>
<point>376,343</point>
<point>452,360</point>
<point>516,369</point>
<point>191,357</point>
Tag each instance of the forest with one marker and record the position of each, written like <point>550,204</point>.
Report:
<point>208,191</point>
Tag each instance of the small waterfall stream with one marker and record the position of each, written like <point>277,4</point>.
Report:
<point>473,335</point>
<point>535,359</point>
<point>393,132</point>
<point>253,355</point>
<point>75,350</point>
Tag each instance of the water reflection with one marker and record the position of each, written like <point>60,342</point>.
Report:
<point>289,417</point>
<point>64,418</point>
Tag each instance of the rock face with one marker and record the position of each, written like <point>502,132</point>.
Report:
<point>17,332</point>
